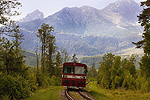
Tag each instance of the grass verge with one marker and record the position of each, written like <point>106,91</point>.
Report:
<point>116,94</point>
<point>50,93</point>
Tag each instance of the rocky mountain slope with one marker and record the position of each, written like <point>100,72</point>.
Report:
<point>33,16</point>
<point>90,31</point>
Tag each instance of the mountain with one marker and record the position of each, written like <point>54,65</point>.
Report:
<point>122,11</point>
<point>90,31</point>
<point>33,16</point>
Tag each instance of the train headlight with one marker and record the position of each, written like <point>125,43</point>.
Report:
<point>83,77</point>
<point>64,76</point>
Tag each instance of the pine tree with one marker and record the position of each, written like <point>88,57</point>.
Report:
<point>144,19</point>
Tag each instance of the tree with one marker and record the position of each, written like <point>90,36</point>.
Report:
<point>144,19</point>
<point>104,73</point>
<point>128,65</point>
<point>116,73</point>
<point>58,64</point>
<point>74,58</point>
<point>11,52</point>
<point>92,73</point>
<point>50,50</point>
<point>145,66</point>
<point>44,35</point>
<point>7,9</point>
<point>65,55</point>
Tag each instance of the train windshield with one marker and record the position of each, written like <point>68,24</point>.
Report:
<point>68,69</point>
<point>80,70</point>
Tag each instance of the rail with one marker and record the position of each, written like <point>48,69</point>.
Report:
<point>84,95</point>
<point>68,95</point>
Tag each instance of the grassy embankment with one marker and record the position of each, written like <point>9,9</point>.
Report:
<point>116,94</point>
<point>52,93</point>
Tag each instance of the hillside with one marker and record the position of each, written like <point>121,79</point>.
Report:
<point>88,31</point>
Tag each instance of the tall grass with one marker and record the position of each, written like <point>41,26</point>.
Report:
<point>51,93</point>
<point>116,94</point>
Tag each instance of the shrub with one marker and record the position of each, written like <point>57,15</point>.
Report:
<point>129,82</point>
<point>14,87</point>
<point>55,81</point>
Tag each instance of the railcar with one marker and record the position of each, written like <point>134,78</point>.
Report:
<point>74,75</point>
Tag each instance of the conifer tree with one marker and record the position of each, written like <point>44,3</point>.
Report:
<point>144,19</point>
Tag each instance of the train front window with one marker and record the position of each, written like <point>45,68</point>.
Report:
<point>68,69</point>
<point>80,70</point>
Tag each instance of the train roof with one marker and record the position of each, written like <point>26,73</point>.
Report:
<point>72,63</point>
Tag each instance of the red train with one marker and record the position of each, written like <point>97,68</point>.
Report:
<point>74,75</point>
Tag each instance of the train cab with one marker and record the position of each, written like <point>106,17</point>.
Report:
<point>74,75</point>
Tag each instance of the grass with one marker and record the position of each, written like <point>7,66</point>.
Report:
<point>99,94</point>
<point>50,93</point>
<point>116,94</point>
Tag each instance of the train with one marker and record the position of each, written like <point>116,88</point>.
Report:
<point>74,75</point>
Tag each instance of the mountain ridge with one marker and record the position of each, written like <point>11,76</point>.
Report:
<point>89,31</point>
<point>36,14</point>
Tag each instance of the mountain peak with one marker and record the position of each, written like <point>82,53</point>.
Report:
<point>124,9</point>
<point>36,14</point>
<point>128,1</point>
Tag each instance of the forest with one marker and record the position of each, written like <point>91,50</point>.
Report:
<point>19,81</point>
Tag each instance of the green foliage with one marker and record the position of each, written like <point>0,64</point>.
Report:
<point>50,93</point>
<point>55,81</point>
<point>14,87</point>
<point>128,65</point>
<point>58,64</point>
<point>65,55</point>
<point>48,48</point>
<point>105,70</point>
<point>129,81</point>
<point>145,66</point>
<point>92,59</point>
<point>7,9</point>
<point>114,73</point>
<point>30,58</point>
<point>92,73</point>
<point>142,84</point>
<point>144,19</point>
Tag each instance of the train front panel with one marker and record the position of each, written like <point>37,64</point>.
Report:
<point>74,75</point>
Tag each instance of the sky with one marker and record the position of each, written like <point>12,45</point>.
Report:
<point>49,7</point>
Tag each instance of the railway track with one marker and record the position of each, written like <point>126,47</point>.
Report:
<point>84,95</point>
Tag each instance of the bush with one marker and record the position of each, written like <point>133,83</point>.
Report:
<point>55,81</point>
<point>129,82</point>
<point>143,84</point>
<point>14,87</point>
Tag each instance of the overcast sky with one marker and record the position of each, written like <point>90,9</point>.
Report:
<point>49,7</point>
